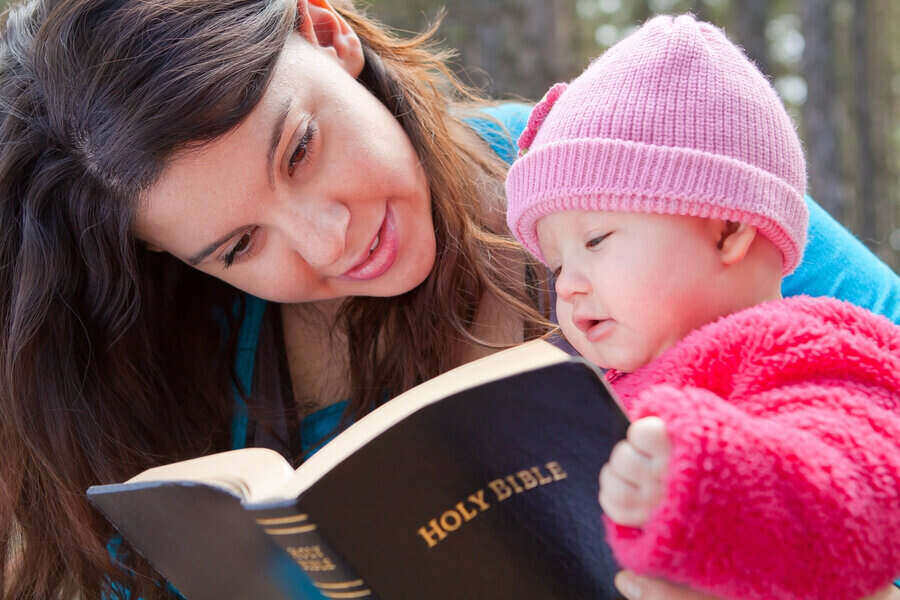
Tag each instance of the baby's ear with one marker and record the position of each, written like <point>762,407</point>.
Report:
<point>734,238</point>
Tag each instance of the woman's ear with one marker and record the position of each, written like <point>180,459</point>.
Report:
<point>735,240</point>
<point>322,26</point>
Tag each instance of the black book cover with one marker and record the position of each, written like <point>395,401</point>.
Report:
<point>488,493</point>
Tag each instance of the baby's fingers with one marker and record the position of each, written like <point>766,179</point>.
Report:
<point>635,467</point>
<point>636,587</point>
<point>621,501</point>
<point>649,437</point>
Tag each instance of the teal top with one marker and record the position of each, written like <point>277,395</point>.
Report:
<point>834,264</point>
<point>317,428</point>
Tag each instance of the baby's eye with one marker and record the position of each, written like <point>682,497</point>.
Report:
<point>596,240</point>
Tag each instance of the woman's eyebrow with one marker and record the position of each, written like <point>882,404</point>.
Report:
<point>277,132</point>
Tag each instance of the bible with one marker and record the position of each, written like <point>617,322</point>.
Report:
<point>479,483</point>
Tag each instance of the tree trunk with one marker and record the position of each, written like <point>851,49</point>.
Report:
<point>886,110</point>
<point>863,119</point>
<point>819,112</point>
<point>506,47</point>
<point>699,10</point>
<point>750,18</point>
<point>523,45</point>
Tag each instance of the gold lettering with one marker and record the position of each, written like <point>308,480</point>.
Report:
<point>515,485</point>
<point>468,515</point>
<point>450,520</point>
<point>311,558</point>
<point>542,479</point>
<point>556,470</point>
<point>478,498</point>
<point>434,530</point>
<point>501,490</point>
<point>527,479</point>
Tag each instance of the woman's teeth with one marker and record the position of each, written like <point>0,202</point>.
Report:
<point>375,243</point>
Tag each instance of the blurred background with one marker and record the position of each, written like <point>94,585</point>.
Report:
<point>836,65</point>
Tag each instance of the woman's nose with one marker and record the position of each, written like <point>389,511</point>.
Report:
<point>570,282</point>
<point>318,231</point>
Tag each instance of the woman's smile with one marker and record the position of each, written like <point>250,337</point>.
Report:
<point>381,253</point>
<point>350,215</point>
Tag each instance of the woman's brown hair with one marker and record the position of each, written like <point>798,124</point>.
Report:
<point>115,359</point>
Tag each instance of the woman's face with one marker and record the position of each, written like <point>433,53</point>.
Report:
<point>317,194</point>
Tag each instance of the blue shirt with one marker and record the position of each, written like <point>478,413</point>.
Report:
<point>834,264</point>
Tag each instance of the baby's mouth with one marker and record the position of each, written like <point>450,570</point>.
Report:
<point>585,325</point>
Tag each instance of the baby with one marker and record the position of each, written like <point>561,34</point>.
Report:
<point>665,188</point>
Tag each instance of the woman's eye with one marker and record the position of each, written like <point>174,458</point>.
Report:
<point>239,249</point>
<point>591,243</point>
<point>301,151</point>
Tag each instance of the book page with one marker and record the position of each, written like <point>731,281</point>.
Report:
<point>254,474</point>
<point>524,357</point>
<point>263,475</point>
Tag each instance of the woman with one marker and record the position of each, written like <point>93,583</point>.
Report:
<point>157,158</point>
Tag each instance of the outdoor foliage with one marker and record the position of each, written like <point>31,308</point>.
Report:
<point>836,65</point>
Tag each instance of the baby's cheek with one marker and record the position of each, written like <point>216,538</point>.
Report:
<point>564,318</point>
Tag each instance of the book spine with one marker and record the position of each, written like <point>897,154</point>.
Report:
<point>292,530</point>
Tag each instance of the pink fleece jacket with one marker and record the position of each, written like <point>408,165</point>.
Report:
<point>784,480</point>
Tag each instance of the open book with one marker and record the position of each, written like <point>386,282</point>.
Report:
<point>480,483</point>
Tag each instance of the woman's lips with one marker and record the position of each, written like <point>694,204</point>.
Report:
<point>382,256</point>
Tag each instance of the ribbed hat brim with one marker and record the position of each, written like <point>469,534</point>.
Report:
<point>620,175</point>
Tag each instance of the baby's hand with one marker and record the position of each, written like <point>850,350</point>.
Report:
<point>631,482</point>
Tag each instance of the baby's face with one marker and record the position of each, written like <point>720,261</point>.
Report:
<point>630,285</point>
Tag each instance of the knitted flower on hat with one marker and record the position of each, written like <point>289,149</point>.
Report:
<point>538,114</point>
<point>674,119</point>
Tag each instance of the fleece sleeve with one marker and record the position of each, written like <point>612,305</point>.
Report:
<point>795,495</point>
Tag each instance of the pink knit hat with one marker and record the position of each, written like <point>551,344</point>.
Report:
<point>673,119</point>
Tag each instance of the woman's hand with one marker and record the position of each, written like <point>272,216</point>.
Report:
<point>637,587</point>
